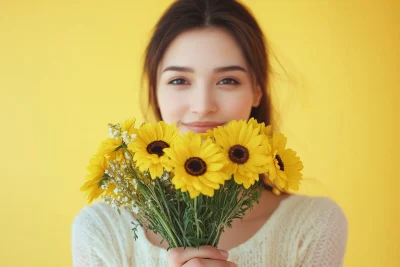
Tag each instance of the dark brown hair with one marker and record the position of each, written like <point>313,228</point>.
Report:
<point>229,15</point>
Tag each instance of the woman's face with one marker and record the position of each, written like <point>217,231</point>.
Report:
<point>203,81</point>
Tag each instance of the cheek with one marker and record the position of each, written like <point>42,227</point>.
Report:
<point>172,106</point>
<point>237,106</point>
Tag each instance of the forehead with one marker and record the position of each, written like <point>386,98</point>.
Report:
<point>203,49</point>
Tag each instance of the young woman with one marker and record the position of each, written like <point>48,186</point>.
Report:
<point>207,64</point>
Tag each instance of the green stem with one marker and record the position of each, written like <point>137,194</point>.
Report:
<point>164,200</point>
<point>167,228</point>
<point>160,217</point>
<point>195,217</point>
<point>225,218</point>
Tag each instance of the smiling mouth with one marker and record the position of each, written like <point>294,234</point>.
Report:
<point>201,127</point>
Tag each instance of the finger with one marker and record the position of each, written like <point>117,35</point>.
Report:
<point>179,256</point>
<point>196,262</point>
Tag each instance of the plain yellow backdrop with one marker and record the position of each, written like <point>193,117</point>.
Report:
<point>68,68</point>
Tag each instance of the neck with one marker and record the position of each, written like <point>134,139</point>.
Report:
<point>268,202</point>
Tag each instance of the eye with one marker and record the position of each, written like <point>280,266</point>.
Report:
<point>179,81</point>
<point>228,81</point>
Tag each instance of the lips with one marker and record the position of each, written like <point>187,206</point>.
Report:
<point>201,126</point>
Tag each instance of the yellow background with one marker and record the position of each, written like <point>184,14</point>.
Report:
<point>68,68</point>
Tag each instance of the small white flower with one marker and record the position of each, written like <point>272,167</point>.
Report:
<point>135,209</point>
<point>127,155</point>
<point>110,132</point>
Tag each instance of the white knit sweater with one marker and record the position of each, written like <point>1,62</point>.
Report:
<point>303,231</point>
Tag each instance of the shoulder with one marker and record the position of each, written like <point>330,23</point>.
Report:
<point>315,208</point>
<point>321,230</point>
<point>100,218</point>
<point>313,217</point>
<point>96,213</point>
<point>318,220</point>
<point>327,212</point>
<point>319,227</point>
<point>102,237</point>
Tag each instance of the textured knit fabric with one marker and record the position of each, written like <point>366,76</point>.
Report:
<point>303,231</point>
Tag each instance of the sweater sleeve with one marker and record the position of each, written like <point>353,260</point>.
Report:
<point>326,245</point>
<point>98,238</point>
<point>83,251</point>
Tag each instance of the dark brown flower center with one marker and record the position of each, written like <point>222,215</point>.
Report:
<point>195,166</point>
<point>238,154</point>
<point>156,147</point>
<point>280,162</point>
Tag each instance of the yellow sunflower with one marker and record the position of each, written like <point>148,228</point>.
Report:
<point>285,166</point>
<point>261,125</point>
<point>245,150</point>
<point>198,165</point>
<point>206,135</point>
<point>119,134</point>
<point>148,147</point>
<point>108,148</point>
<point>91,187</point>
<point>129,125</point>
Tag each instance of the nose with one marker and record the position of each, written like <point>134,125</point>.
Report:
<point>203,100</point>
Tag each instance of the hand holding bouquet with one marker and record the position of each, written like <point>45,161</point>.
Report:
<point>189,187</point>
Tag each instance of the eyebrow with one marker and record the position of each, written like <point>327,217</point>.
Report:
<point>220,69</point>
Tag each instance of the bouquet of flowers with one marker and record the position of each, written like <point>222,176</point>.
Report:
<point>188,187</point>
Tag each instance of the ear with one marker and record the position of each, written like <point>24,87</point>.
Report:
<point>257,96</point>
